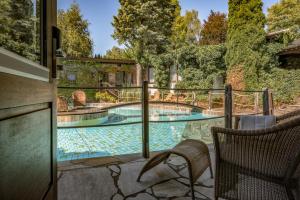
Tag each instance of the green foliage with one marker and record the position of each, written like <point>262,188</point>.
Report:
<point>87,74</point>
<point>118,53</point>
<point>145,26</point>
<point>162,64</point>
<point>245,12</point>
<point>245,39</point>
<point>214,29</point>
<point>187,28</point>
<point>19,30</point>
<point>199,65</point>
<point>285,15</point>
<point>284,83</point>
<point>76,41</point>
<point>105,96</point>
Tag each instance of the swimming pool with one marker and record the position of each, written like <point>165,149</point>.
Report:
<point>122,131</point>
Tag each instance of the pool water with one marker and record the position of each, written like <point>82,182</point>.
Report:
<point>118,138</point>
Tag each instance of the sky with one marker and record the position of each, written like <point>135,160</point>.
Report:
<point>99,14</point>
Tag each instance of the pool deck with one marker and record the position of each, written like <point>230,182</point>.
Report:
<point>114,178</point>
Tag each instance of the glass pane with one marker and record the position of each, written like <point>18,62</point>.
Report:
<point>98,122</point>
<point>79,143</point>
<point>20,27</point>
<point>166,135</point>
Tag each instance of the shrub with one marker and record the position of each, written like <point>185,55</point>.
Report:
<point>105,96</point>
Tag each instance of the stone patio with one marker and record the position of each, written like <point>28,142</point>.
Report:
<point>117,181</point>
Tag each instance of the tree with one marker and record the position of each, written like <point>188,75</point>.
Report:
<point>214,29</point>
<point>199,65</point>
<point>285,15</point>
<point>76,41</point>
<point>187,28</point>
<point>118,53</point>
<point>145,26</point>
<point>245,43</point>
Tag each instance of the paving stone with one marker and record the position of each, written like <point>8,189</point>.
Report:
<point>149,190</point>
<point>208,182</point>
<point>184,180</point>
<point>142,196</point>
<point>114,168</point>
<point>184,172</point>
<point>183,198</point>
<point>115,174</point>
<point>206,178</point>
<point>201,196</point>
<point>118,197</point>
<point>127,181</point>
<point>90,183</point>
<point>170,188</point>
<point>209,192</point>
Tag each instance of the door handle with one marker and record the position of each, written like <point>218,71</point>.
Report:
<point>56,34</point>
<point>56,45</point>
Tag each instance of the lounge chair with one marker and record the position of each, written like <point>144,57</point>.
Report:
<point>258,164</point>
<point>195,153</point>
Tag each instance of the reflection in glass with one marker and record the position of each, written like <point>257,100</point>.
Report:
<point>20,27</point>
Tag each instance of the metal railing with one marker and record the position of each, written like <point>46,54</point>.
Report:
<point>208,99</point>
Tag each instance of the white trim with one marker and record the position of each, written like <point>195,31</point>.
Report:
<point>12,63</point>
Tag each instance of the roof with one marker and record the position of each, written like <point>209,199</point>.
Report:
<point>292,49</point>
<point>274,34</point>
<point>104,60</point>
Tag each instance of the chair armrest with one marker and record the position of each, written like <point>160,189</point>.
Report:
<point>236,122</point>
<point>286,116</point>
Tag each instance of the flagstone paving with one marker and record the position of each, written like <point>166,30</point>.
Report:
<point>118,182</point>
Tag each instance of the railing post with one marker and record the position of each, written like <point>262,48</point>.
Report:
<point>209,101</point>
<point>232,100</point>
<point>145,113</point>
<point>194,98</point>
<point>271,102</point>
<point>228,106</point>
<point>256,102</point>
<point>266,105</point>
<point>267,102</point>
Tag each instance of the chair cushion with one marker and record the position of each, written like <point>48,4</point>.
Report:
<point>253,122</point>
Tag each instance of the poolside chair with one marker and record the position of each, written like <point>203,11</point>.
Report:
<point>79,98</point>
<point>195,153</point>
<point>258,164</point>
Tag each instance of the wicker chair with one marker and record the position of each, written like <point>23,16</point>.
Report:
<point>258,164</point>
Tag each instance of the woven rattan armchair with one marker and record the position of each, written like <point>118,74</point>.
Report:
<point>258,164</point>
